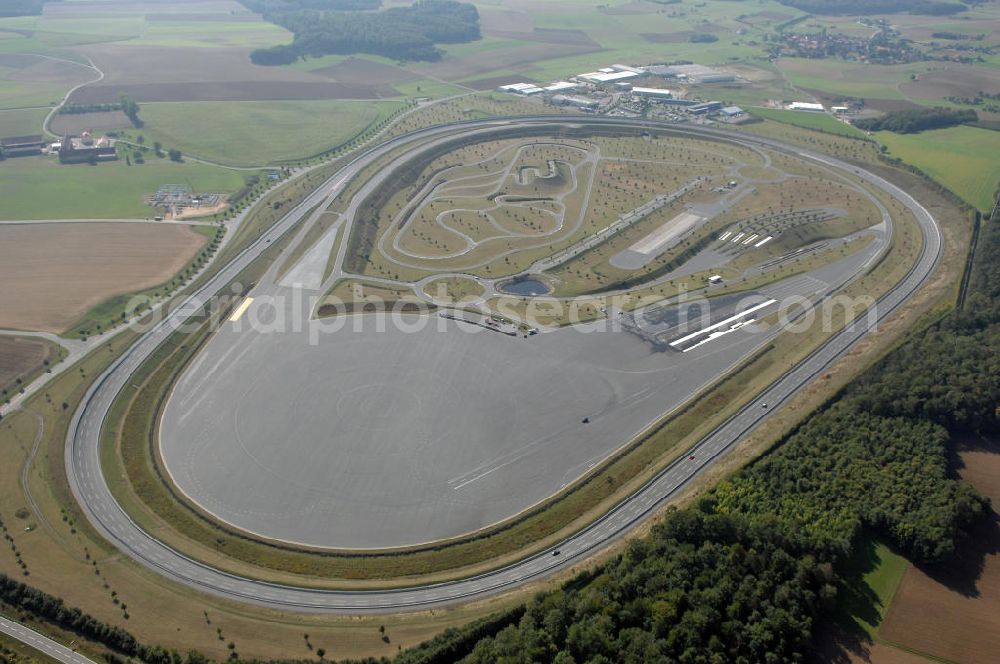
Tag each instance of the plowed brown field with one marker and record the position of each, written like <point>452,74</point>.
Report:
<point>53,273</point>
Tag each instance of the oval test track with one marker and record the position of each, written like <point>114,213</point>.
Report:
<point>89,486</point>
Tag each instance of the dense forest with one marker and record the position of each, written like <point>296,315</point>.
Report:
<point>916,120</point>
<point>403,33</point>
<point>868,7</point>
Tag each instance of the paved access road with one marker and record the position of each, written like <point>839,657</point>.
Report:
<point>91,490</point>
<point>42,644</point>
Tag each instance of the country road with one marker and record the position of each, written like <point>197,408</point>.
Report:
<point>91,489</point>
<point>41,643</point>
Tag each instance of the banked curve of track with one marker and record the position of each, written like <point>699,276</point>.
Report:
<point>91,490</point>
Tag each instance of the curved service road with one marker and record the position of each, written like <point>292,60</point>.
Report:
<point>90,488</point>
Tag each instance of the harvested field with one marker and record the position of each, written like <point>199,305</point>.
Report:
<point>485,62</point>
<point>835,646</point>
<point>194,7</point>
<point>76,123</point>
<point>228,91</point>
<point>955,81</point>
<point>492,21</point>
<point>366,73</point>
<point>887,105</point>
<point>634,7</point>
<point>55,273</point>
<point>954,614</point>
<point>20,356</point>
<point>210,74</point>
<point>495,81</point>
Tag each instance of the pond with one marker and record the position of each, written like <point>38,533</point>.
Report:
<point>524,287</point>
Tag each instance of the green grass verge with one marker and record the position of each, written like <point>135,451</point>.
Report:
<point>963,159</point>
<point>809,120</point>
<point>42,188</point>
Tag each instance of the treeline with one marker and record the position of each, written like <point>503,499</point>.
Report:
<point>703,587</point>
<point>915,120</point>
<point>53,610</point>
<point>403,33</point>
<point>131,109</point>
<point>79,109</point>
<point>21,7</point>
<point>868,7</point>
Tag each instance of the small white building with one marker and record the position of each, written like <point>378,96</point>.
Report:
<point>805,106</point>
<point>715,279</point>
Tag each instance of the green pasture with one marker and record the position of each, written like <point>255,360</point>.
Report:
<point>809,120</point>
<point>22,123</point>
<point>256,133</point>
<point>869,581</point>
<point>42,188</point>
<point>964,159</point>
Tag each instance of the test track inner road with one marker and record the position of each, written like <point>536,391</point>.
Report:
<point>90,487</point>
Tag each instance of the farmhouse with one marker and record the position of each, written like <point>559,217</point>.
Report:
<point>87,149</point>
<point>21,146</point>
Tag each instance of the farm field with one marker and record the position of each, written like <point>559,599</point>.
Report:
<point>954,614</point>
<point>42,188</point>
<point>846,79</point>
<point>20,357</point>
<point>54,273</point>
<point>29,81</point>
<point>961,158</point>
<point>809,120</point>
<point>21,123</point>
<point>259,133</point>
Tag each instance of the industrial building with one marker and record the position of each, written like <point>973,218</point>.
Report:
<point>521,88</point>
<point>607,75</point>
<point>731,111</point>
<point>651,93</point>
<point>575,101</point>
<point>561,86</point>
<point>691,73</point>
<point>705,107</point>
<point>21,146</point>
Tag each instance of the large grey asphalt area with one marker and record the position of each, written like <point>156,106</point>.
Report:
<point>90,487</point>
<point>380,439</point>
